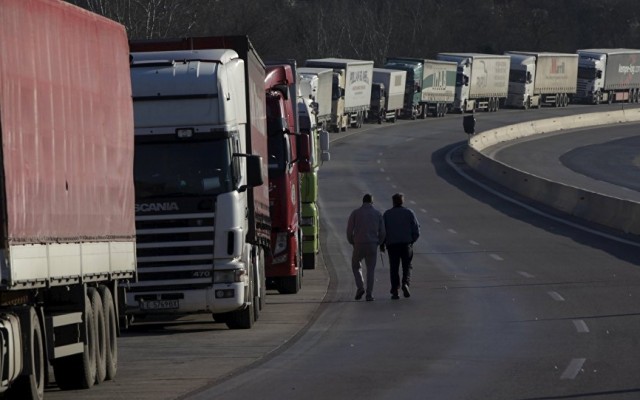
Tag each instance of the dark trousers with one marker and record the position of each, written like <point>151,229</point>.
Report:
<point>400,253</point>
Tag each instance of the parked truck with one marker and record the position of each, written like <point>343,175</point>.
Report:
<point>387,94</point>
<point>319,152</point>
<point>316,84</point>
<point>288,156</point>
<point>202,200</point>
<point>482,80</point>
<point>541,79</point>
<point>355,90</point>
<point>67,233</point>
<point>430,86</point>
<point>608,75</point>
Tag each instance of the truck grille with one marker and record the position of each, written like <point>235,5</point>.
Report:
<point>174,251</point>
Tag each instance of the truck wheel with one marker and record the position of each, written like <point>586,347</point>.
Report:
<point>242,319</point>
<point>111,329</point>
<point>31,385</point>
<point>309,260</point>
<point>100,336</point>
<point>610,99</point>
<point>79,370</point>
<point>289,284</point>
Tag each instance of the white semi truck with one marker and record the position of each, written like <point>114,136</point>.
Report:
<point>541,79</point>
<point>202,201</point>
<point>316,84</point>
<point>608,75</point>
<point>67,229</point>
<point>387,94</point>
<point>482,80</point>
<point>357,76</point>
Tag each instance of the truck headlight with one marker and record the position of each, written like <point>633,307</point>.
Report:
<point>228,276</point>
<point>281,242</point>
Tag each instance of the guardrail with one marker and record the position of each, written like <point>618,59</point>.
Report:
<point>612,212</point>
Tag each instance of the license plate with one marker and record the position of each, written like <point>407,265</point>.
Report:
<point>159,305</point>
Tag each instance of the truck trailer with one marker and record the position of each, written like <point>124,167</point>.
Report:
<point>387,94</point>
<point>202,200</point>
<point>482,80</point>
<point>355,90</point>
<point>608,75</point>
<point>67,229</point>
<point>316,84</point>
<point>541,79</point>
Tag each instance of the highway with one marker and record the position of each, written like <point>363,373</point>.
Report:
<point>507,302</point>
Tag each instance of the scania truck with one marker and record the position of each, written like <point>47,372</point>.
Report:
<point>387,94</point>
<point>67,229</point>
<point>202,201</point>
<point>356,76</point>
<point>430,86</point>
<point>541,79</point>
<point>482,80</point>
<point>608,75</point>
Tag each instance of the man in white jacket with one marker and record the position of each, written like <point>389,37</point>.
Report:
<point>365,232</point>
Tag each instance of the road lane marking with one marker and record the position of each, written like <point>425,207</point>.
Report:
<point>423,210</point>
<point>573,369</point>
<point>452,230</point>
<point>496,257</point>
<point>473,242</point>
<point>436,220</point>
<point>581,326</point>
<point>556,296</point>
<point>526,274</point>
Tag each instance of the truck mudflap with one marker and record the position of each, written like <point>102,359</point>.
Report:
<point>10,347</point>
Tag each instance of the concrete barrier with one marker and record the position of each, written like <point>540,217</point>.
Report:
<point>619,214</point>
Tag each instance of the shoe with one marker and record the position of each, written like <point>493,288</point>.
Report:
<point>395,296</point>
<point>370,298</point>
<point>405,290</point>
<point>359,294</point>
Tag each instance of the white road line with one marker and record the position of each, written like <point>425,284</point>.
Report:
<point>382,170</point>
<point>452,230</point>
<point>526,274</point>
<point>388,178</point>
<point>436,220</point>
<point>581,326</point>
<point>556,296</point>
<point>412,202</point>
<point>573,369</point>
<point>473,242</point>
<point>423,210</point>
<point>496,257</point>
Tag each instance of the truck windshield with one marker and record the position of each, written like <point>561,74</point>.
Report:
<point>518,76</point>
<point>190,168</point>
<point>586,73</point>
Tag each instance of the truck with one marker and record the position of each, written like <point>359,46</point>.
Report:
<point>608,75</point>
<point>288,156</point>
<point>352,84</point>
<point>202,202</point>
<point>387,94</point>
<point>318,154</point>
<point>67,229</point>
<point>482,80</point>
<point>541,79</point>
<point>430,86</point>
<point>316,84</point>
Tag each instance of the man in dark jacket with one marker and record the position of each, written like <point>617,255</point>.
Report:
<point>365,231</point>
<point>402,230</point>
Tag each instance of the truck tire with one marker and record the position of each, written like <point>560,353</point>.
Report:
<point>111,328</point>
<point>31,385</point>
<point>79,370</point>
<point>101,334</point>
<point>242,319</point>
<point>309,259</point>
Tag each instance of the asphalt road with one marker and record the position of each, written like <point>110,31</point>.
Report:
<point>506,303</point>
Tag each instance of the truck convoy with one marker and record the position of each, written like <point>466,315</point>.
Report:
<point>352,84</point>
<point>430,86</point>
<point>288,153</point>
<point>387,94</point>
<point>202,202</point>
<point>67,229</point>
<point>608,75</point>
<point>482,81</point>
<point>541,78</point>
<point>316,84</point>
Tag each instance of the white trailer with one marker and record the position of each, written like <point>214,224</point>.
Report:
<point>316,84</point>
<point>541,79</point>
<point>482,80</point>
<point>387,94</point>
<point>439,86</point>
<point>608,75</point>
<point>357,75</point>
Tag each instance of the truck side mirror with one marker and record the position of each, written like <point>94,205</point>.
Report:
<point>324,145</point>
<point>529,77</point>
<point>466,80</point>
<point>254,170</point>
<point>599,74</point>
<point>304,153</point>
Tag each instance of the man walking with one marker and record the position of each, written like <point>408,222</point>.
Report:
<point>365,232</point>
<point>402,230</point>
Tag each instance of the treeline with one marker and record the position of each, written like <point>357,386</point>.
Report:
<point>368,29</point>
